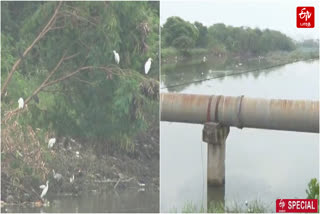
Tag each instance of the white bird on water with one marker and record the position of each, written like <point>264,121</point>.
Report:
<point>147,66</point>
<point>52,141</point>
<point>45,189</point>
<point>21,103</point>
<point>116,57</point>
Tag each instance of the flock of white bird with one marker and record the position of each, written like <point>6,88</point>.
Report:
<point>52,141</point>
<point>147,65</point>
<point>58,177</point>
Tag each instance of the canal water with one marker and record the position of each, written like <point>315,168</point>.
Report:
<point>261,165</point>
<point>121,201</point>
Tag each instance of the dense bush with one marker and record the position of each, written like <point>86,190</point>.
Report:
<point>102,100</point>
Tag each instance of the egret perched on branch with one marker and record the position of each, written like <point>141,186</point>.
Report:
<point>45,189</point>
<point>52,141</point>
<point>147,66</point>
<point>116,57</point>
<point>21,103</point>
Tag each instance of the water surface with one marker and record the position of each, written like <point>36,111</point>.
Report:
<point>260,164</point>
<point>122,201</point>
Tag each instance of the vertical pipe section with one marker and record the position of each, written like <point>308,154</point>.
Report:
<point>289,115</point>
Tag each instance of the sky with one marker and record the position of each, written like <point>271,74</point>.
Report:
<point>273,14</point>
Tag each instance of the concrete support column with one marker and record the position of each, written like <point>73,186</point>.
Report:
<point>215,135</point>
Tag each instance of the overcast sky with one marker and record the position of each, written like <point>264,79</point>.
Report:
<point>273,14</point>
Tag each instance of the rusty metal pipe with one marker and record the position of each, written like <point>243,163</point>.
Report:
<point>289,115</point>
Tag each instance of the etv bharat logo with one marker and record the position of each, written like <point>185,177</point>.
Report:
<point>305,17</point>
<point>296,205</point>
<point>282,204</point>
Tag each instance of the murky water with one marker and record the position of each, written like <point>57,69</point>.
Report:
<point>261,164</point>
<point>124,201</point>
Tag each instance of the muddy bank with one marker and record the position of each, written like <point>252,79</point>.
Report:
<point>84,166</point>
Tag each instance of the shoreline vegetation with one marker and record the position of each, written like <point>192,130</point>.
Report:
<point>255,206</point>
<point>103,114</point>
<point>230,47</point>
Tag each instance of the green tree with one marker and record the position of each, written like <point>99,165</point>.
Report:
<point>202,40</point>
<point>82,91</point>
<point>179,34</point>
<point>313,189</point>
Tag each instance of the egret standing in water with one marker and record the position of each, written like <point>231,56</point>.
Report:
<point>147,66</point>
<point>45,189</point>
<point>116,57</point>
<point>52,141</point>
<point>21,103</point>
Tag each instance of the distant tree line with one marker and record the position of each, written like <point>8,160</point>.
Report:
<point>220,38</point>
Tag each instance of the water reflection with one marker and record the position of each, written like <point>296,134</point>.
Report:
<point>177,77</point>
<point>261,165</point>
<point>125,201</point>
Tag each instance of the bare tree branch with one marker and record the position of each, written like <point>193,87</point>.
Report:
<point>39,37</point>
<point>63,58</point>
<point>36,91</point>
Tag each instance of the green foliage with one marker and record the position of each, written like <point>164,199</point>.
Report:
<point>313,189</point>
<point>202,39</point>
<point>95,103</point>
<point>220,207</point>
<point>183,42</point>
<point>167,52</point>
<point>179,33</point>
<point>220,38</point>
<point>249,41</point>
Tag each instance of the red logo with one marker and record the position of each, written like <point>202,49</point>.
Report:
<point>305,17</point>
<point>297,205</point>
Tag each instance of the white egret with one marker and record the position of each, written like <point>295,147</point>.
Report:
<point>21,103</point>
<point>246,203</point>
<point>52,141</point>
<point>116,57</point>
<point>77,154</point>
<point>56,176</point>
<point>72,179</point>
<point>204,59</point>
<point>141,184</point>
<point>45,189</point>
<point>141,189</point>
<point>147,66</point>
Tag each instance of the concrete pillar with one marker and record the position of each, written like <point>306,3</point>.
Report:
<point>215,135</point>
